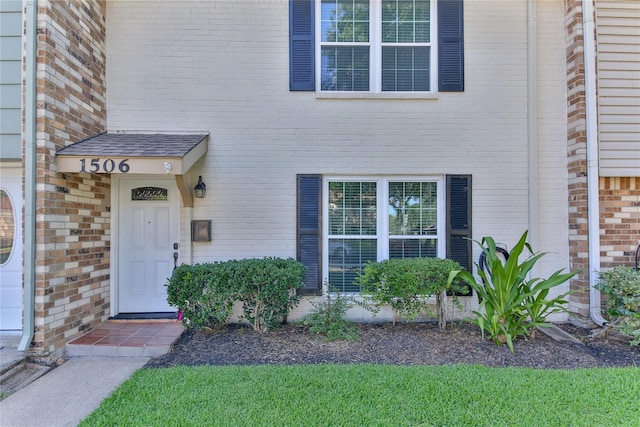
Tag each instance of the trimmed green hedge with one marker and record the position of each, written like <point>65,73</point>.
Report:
<point>205,293</point>
<point>405,284</point>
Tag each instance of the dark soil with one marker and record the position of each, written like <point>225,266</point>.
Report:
<point>403,344</point>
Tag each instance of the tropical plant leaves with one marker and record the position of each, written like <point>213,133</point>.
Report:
<point>510,305</point>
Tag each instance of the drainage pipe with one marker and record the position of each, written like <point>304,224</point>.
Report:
<point>591,123</point>
<point>532,125</point>
<point>28,305</point>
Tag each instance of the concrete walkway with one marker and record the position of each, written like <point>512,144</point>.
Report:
<point>69,393</point>
<point>98,362</point>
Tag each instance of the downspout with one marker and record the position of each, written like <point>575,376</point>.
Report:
<point>532,124</point>
<point>591,124</point>
<point>28,305</point>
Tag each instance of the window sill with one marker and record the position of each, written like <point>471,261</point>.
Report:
<point>376,95</point>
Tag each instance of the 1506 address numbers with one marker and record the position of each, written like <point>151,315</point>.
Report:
<point>107,165</point>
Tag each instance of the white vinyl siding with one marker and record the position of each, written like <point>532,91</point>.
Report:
<point>618,36</point>
<point>10,78</point>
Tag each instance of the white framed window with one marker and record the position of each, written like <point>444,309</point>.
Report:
<point>372,219</point>
<point>376,45</point>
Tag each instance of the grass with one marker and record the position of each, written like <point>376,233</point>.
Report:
<point>373,395</point>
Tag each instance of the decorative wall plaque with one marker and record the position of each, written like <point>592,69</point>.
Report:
<point>201,230</point>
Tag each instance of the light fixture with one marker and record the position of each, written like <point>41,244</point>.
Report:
<point>200,188</point>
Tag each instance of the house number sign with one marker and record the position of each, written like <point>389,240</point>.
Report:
<point>99,165</point>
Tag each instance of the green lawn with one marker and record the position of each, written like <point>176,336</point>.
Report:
<point>373,395</point>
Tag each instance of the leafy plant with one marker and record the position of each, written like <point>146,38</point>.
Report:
<point>622,286</point>
<point>406,284</point>
<point>510,304</point>
<point>205,293</point>
<point>202,293</point>
<point>328,320</point>
<point>267,289</point>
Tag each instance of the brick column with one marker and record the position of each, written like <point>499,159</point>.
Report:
<point>72,210</point>
<point>577,159</point>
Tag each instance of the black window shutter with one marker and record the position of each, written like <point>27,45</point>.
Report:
<point>301,45</point>
<point>459,245</point>
<point>450,46</point>
<point>309,231</point>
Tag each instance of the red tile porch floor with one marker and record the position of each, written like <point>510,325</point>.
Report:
<point>129,338</point>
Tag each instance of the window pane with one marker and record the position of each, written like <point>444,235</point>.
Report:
<point>406,21</point>
<point>352,212</point>
<point>345,32</point>
<point>404,59</point>
<point>149,193</point>
<point>352,209</point>
<point>412,208</point>
<point>405,68</point>
<point>361,20</point>
<point>405,32</point>
<point>345,21</point>
<point>413,248</point>
<point>347,257</point>
<point>422,34</point>
<point>345,68</point>
<point>7,226</point>
<point>423,11</point>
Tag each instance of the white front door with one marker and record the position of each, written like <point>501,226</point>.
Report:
<point>148,236</point>
<point>10,249</point>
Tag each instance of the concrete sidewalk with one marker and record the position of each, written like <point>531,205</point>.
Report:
<point>69,393</point>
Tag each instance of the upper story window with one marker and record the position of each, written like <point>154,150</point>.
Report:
<point>376,45</point>
<point>393,48</point>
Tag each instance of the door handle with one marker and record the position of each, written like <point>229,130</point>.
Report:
<point>175,259</point>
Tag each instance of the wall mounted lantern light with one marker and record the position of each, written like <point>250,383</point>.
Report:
<point>200,188</point>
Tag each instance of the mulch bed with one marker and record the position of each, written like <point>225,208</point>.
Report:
<point>402,344</point>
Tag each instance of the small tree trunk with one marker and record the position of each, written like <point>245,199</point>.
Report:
<point>442,321</point>
<point>257,317</point>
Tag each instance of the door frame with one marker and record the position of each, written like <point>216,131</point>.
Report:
<point>114,269</point>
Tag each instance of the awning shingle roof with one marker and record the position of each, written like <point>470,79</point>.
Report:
<point>134,145</point>
<point>133,153</point>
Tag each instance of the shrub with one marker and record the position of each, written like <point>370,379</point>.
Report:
<point>510,304</point>
<point>202,293</point>
<point>205,293</point>
<point>267,289</point>
<point>622,286</point>
<point>328,319</point>
<point>405,284</point>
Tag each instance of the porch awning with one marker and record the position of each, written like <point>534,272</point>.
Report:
<point>166,154</point>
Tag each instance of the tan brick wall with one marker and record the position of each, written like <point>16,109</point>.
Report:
<point>577,159</point>
<point>619,198</point>
<point>72,210</point>
<point>619,221</point>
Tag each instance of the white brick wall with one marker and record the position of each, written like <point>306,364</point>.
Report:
<point>552,136</point>
<point>222,67</point>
